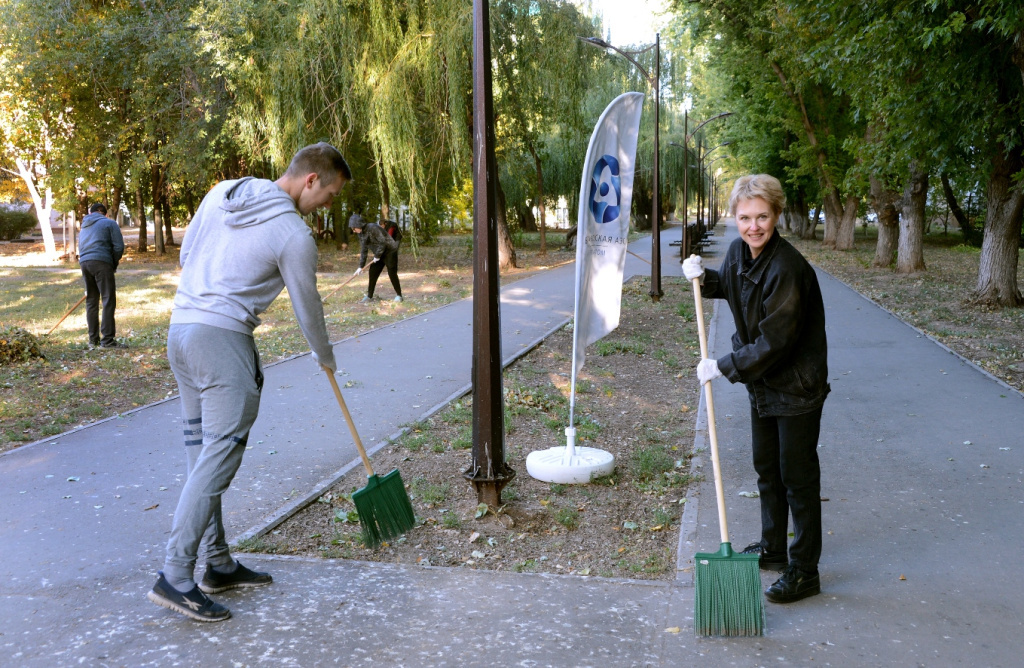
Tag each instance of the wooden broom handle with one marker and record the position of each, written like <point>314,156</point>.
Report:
<point>723,524</point>
<point>70,311</point>
<point>344,283</point>
<point>348,419</point>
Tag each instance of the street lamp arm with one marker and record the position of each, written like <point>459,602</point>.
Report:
<point>715,117</point>
<point>605,45</point>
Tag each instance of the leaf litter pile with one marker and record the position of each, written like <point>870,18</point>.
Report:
<point>636,398</point>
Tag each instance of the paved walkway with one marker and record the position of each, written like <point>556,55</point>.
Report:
<point>907,497</point>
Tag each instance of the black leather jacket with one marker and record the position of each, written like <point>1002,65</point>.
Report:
<point>779,348</point>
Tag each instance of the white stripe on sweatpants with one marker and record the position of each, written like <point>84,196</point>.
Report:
<point>219,379</point>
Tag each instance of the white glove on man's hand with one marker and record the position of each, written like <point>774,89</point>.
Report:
<point>358,271</point>
<point>376,259</point>
<point>693,267</point>
<point>707,371</point>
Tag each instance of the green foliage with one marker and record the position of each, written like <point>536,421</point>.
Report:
<point>650,461</point>
<point>568,517</point>
<point>15,223</point>
<point>429,493</point>
<point>633,347</point>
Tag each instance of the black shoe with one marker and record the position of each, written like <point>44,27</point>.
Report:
<point>214,582</point>
<point>769,561</point>
<point>794,585</point>
<point>192,604</point>
<point>114,344</point>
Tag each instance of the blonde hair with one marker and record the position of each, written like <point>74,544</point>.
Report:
<point>758,186</point>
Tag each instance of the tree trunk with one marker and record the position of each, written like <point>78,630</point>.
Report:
<point>811,230</point>
<point>506,251</point>
<point>115,202</point>
<point>910,249</point>
<point>527,221</point>
<point>165,206</point>
<point>833,216</point>
<point>117,191</point>
<point>847,227</point>
<point>796,214</point>
<point>967,230</point>
<point>158,217</point>
<point>140,215</point>
<point>997,274</point>
<point>43,204</point>
<point>540,203</point>
<point>385,197</point>
<point>340,225</point>
<point>884,201</point>
<point>190,204</point>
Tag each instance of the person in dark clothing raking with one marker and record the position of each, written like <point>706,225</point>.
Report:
<point>779,352</point>
<point>377,239</point>
<point>100,247</point>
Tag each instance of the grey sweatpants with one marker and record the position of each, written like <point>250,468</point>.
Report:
<point>219,379</point>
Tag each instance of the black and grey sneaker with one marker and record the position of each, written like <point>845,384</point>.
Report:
<point>214,582</point>
<point>794,585</point>
<point>194,603</point>
<point>769,561</point>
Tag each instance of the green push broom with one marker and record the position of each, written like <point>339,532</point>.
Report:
<point>728,600</point>
<point>384,508</point>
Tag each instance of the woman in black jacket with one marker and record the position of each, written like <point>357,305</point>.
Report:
<point>779,353</point>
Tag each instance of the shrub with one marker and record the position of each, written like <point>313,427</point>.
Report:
<point>15,223</point>
<point>18,345</point>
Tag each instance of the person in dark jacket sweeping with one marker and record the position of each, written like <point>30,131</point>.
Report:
<point>100,247</point>
<point>779,353</point>
<point>376,239</point>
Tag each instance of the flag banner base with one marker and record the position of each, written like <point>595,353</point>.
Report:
<point>569,464</point>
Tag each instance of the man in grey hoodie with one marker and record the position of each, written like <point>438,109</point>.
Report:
<point>246,242</point>
<point>100,247</point>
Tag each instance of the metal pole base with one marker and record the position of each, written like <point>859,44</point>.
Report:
<point>488,490</point>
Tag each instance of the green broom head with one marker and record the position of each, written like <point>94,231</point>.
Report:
<point>384,508</point>
<point>728,599</point>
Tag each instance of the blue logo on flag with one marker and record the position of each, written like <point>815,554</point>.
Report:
<point>605,190</point>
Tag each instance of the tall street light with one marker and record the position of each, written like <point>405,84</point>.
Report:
<point>687,136</point>
<point>487,472</point>
<point>655,83</point>
<point>703,200</point>
<point>715,195</point>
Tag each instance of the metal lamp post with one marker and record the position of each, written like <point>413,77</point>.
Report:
<point>655,83</point>
<point>488,472</point>
<point>687,136</point>
<point>715,195</point>
<point>701,159</point>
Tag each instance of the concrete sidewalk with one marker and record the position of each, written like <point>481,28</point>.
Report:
<point>907,498</point>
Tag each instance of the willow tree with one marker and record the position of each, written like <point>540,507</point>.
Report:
<point>542,76</point>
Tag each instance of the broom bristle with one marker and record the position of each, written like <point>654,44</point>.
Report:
<point>384,508</point>
<point>728,597</point>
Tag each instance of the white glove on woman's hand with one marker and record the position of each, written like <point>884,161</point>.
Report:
<point>376,259</point>
<point>358,271</point>
<point>707,371</point>
<point>693,267</point>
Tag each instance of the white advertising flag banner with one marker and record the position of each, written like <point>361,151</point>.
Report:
<point>603,222</point>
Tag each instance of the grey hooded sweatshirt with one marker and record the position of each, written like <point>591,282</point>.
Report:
<point>244,245</point>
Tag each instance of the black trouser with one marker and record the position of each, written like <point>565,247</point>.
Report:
<point>390,260</point>
<point>789,480</point>
<point>99,284</point>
